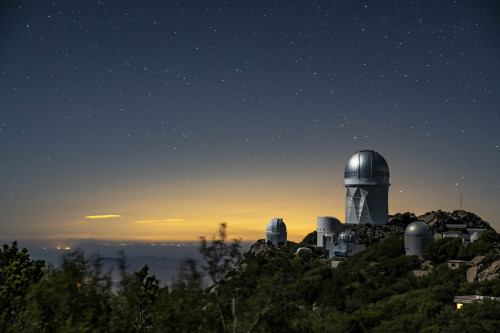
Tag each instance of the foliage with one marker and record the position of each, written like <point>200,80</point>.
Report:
<point>443,249</point>
<point>220,258</point>
<point>75,297</point>
<point>402,219</point>
<point>310,239</point>
<point>17,273</point>
<point>136,300</point>
<point>268,289</point>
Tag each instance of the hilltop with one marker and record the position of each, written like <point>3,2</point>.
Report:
<point>437,220</point>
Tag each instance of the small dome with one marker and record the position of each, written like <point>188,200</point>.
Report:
<point>418,236</point>
<point>347,236</point>
<point>276,225</point>
<point>475,236</point>
<point>418,229</point>
<point>366,167</point>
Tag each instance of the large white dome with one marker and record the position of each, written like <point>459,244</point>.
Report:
<point>276,231</point>
<point>366,167</point>
<point>276,225</point>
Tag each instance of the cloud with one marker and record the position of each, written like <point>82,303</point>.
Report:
<point>157,221</point>
<point>101,216</point>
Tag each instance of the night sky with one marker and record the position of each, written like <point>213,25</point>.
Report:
<point>175,116</point>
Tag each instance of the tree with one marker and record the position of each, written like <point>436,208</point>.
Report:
<point>442,250</point>
<point>220,258</point>
<point>17,273</point>
<point>310,239</point>
<point>134,303</point>
<point>186,308</point>
<point>73,297</point>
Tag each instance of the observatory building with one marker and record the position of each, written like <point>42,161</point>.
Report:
<point>276,231</point>
<point>338,242</point>
<point>418,235</point>
<point>366,179</point>
<point>328,230</point>
<point>346,245</point>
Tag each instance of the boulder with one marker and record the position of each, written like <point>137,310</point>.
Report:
<point>472,274</point>
<point>429,218</point>
<point>490,272</point>
<point>476,260</point>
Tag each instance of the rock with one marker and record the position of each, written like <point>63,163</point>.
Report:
<point>429,218</point>
<point>419,272</point>
<point>472,274</point>
<point>491,277</point>
<point>490,272</point>
<point>476,260</point>
<point>258,248</point>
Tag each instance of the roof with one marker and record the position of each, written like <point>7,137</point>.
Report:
<point>472,298</point>
<point>276,225</point>
<point>418,229</point>
<point>456,226</point>
<point>366,167</point>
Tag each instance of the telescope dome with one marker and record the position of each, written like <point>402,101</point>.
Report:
<point>418,229</point>
<point>347,236</point>
<point>418,236</point>
<point>276,225</point>
<point>366,167</point>
<point>276,231</point>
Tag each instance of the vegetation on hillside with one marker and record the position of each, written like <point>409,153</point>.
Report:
<point>268,289</point>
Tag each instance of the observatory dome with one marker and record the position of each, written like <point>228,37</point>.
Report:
<point>418,236</point>
<point>276,225</point>
<point>418,229</point>
<point>276,231</point>
<point>347,236</point>
<point>366,167</point>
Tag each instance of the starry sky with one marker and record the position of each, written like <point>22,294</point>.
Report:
<point>160,119</point>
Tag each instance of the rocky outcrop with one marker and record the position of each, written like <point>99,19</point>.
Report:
<point>490,273</point>
<point>438,219</point>
<point>258,248</point>
<point>429,218</point>
<point>476,260</point>
<point>482,272</point>
<point>472,274</point>
<point>368,233</point>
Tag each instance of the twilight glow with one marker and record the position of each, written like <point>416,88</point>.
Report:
<point>101,216</point>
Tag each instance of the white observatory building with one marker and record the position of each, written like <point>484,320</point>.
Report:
<point>276,231</point>
<point>344,245</point>
<point>366,180</point>
<point>418,236</point>
<point>328,230</point>
<point>339,242</point>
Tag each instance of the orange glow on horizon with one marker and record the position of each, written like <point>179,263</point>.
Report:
<point>101,216</point>
<point>153,211</point>
<point>157,221</point>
